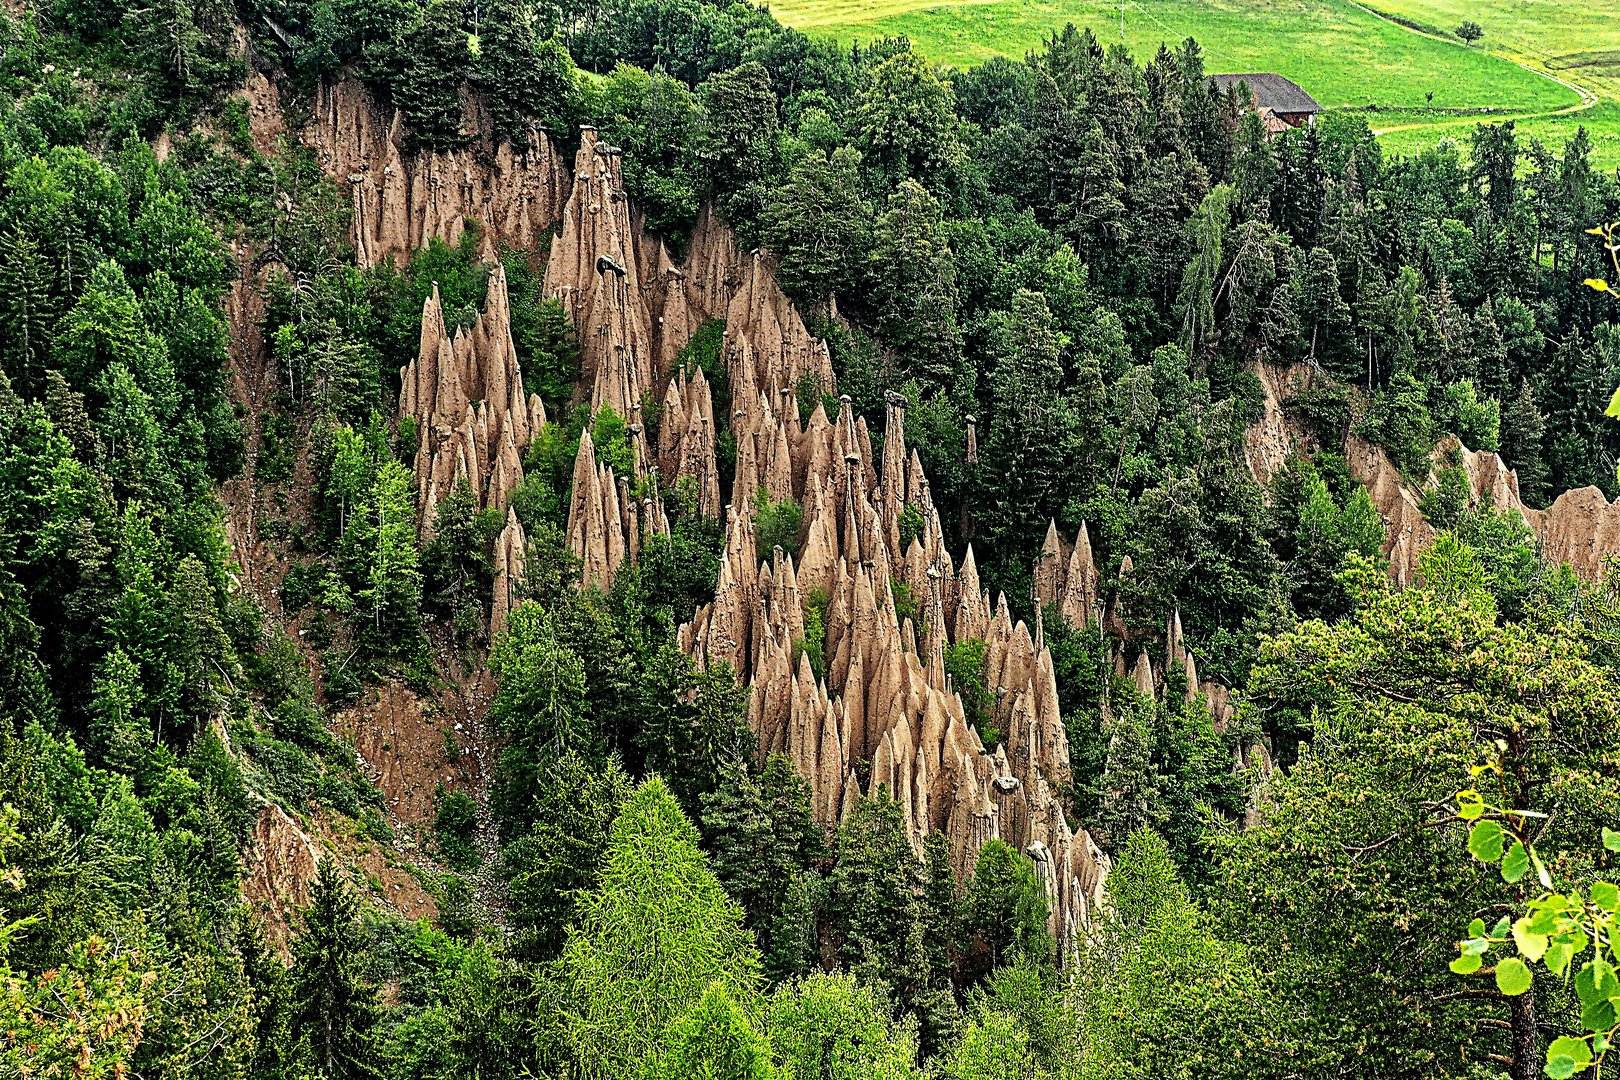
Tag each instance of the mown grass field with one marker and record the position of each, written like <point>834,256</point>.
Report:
<point>1574,41</point>
<point>1348,56</point>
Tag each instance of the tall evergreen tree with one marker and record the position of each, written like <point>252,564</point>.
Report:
<point>27,311</point>
<point>656,934</point>
<point>1006,910</point>
<point>1523,429</point>
<point>874,897</point>
<point>337,1011</point>
<point>912,278</point>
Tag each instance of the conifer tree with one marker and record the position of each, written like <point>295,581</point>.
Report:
<point>456,568</point>
<point>1006,909</point>
<point>835,1027</point>
<point>817,223</point>
<point>874,897</point>
<point>1522,431</point>
<point>380,546</point>
<point>654,936</point>
<point>26,311</point>
<point>276,1048</point>
<point>737,834</point>
<point>528,79</point>
<point>714,1041</point>
<point>912,277</point>
<point>792,943</point>
<point>336,1009</point>
<point>941,908</point>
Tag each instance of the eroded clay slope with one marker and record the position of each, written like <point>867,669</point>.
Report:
<point>1581,527</point>
<point>883,715</point>
<point>404,198</point>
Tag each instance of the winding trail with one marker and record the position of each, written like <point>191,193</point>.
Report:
<point>1586,98</point>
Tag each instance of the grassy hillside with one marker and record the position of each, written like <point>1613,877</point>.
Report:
<point>1346,55</point>
<point>1573,41</point>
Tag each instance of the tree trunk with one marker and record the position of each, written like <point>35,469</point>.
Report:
<point>1526,1039</point>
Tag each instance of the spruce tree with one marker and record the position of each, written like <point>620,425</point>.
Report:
<point>553,863</point>
<point>1006,910</point>
<point>656,933</point>
<point>941,908</point>
<point>270,984</point>
<point>875,897</point>
<point>456,568</point>
<point>792,943</point>
<point>737,834</point>
<point>1523,428</point>
<point>336,1008</point>
<point>27,311</point>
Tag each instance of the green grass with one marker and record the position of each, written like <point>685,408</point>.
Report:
<point>1572,40</point>
<point>1346,55</point>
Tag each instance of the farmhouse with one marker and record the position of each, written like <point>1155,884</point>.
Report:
<point>1280,102</point>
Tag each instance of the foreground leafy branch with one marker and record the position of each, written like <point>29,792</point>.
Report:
<point>1552,930</point>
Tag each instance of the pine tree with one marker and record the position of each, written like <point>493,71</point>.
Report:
<point>817,223</point>
<point>875,897</point>
<point>336,1008</point>
<point>656,934</point>
<point>792,943</point>
<point>27,311</point>
<point>913,293</point>
<point>1522,431</point>
<point>941,908</point>
<point>715,1041</point>
<point>1006,910</point>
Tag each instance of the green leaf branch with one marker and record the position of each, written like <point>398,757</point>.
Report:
<point>1571,933</point>
<point>1610,234</point>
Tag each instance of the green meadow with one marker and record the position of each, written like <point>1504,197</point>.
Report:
<point>1549,65</point>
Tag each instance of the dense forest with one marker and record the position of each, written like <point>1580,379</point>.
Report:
<point>1366,837</point>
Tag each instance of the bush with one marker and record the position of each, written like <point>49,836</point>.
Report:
<point>291,772</point>
<point>334,793</point>
<point>964,663</point>
<point>1476,420</point>
<point>814,642</point>
<point>776,525</point>
<point>911,526</point>
<point>1399,419</point>
<point>455,823</point>
<point>1444,503</point>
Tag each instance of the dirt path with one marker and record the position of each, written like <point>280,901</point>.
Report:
<point>1587,98</point>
